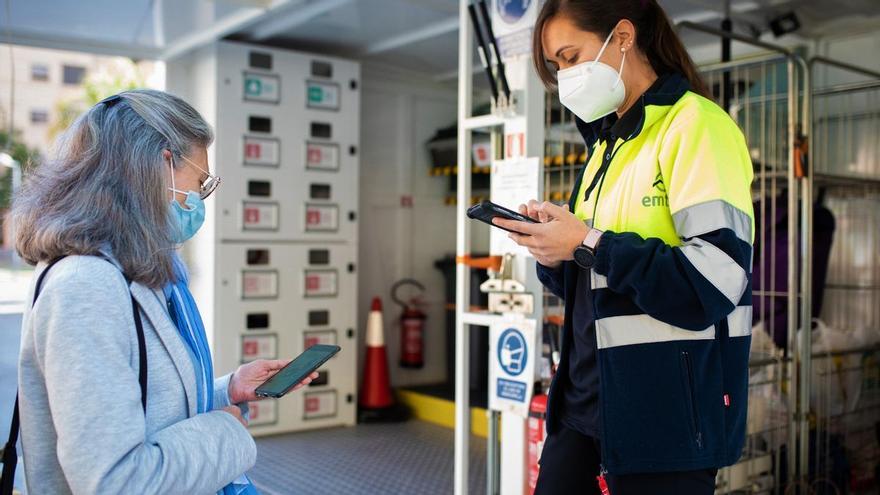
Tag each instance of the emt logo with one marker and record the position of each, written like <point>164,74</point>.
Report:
<point>657,199</point>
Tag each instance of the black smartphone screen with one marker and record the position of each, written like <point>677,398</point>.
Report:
<point>487,210</point>
<point>307,362</point>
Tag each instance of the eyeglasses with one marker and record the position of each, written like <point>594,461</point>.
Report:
<point>207,187</point>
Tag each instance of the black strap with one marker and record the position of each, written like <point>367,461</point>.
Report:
<point>142,352</point>
<point>10,454</point>
<point>600,174</point>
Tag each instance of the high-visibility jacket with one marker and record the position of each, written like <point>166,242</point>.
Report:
<point>671,286</point>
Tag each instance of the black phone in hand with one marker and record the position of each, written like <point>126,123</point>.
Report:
<point>296,371</point>
<point>487,211</point>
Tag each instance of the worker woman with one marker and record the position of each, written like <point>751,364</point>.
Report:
<point>652,257</point>
<point>127,187</point>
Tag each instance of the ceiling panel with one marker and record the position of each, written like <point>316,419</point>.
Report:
<point>350,27</point>
<point>362,22</point>
<point>128,21</point>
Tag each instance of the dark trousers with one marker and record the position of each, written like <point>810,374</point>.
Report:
<point>570,464</point>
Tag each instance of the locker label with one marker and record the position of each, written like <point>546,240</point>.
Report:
<point>259,284</point>
<point>482,154</point>
<point>262,88</point>
<point>263,412</point>
<point>321,283</point>
<point>261,151</point>
<point>319,404</point>
<point>322,218</point>
<point>259,215</point>
<point>258,347</point>
<point>325,337</point>
<point>322,95</point>
<point>320,156</point>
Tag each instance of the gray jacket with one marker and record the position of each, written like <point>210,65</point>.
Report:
<point>83,429</point>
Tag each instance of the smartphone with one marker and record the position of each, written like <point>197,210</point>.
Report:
<point>296,371</point>
<point>488,210</point>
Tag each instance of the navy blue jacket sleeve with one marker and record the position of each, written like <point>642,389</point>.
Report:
<point>553,279</point>
<point>664,283</point>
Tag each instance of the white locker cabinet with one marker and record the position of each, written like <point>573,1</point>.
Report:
<point>275,266</point>
<point>273,318</point>
<point>301,138</point>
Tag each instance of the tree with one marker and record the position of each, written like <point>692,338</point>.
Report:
<point>26,157</point>
<point>119,75</point>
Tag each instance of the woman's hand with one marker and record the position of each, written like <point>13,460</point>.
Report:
<point>533,210</point>
<point>554,239</point>
<point>236,412</point>
<point>251,375</point>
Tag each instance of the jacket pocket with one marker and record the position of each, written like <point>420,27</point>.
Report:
<point>690,393</point>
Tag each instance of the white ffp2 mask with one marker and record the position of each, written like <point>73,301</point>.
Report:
<point>592,90</point>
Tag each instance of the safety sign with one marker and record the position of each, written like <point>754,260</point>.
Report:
<point>262,88</point>
<point>512,369</point>
<point>322,156</point>
<point>259,284</point>
<point>322,95</point>
<point>322,218</point>
<point>319,404</point>
<point>259,215</point>
<point>482,154</point>
<point>258,347</point>
<point>325,337</point>
<point>512,21</point>
<point>261,151</point>
<point>321,283</point>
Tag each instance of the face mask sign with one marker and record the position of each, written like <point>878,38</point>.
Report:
<point>184,222</point>
<point>592,90</point>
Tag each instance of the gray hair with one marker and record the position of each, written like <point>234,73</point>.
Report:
<point>106,185</point>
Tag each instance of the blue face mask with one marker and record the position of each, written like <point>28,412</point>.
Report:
<point>185,222</point>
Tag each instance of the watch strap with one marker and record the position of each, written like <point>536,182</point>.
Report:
<point>592,239</point>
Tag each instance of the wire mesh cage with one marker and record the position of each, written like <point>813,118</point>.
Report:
<point>759,94</point>
<point>845,366</point>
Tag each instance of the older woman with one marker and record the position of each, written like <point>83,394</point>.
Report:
<point>126,188</point>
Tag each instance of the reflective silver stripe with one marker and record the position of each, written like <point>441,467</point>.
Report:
<point>739,322</point>
<point>598,281</point>
<point>717,267</point>
<point>711,216</point>
<point>619,331</point>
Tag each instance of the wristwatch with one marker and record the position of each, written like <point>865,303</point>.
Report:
<point>585,254</point>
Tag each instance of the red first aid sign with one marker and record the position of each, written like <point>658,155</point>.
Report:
<point>252,215</point>
<point>322,218</point>
<point>259,215</point>
<point>326,337</point>
<point>250,348</point>
<point>322,156</point>
<point>261,151</point>
<point>258,347</point>
<point>319,404</point>
<point>259,284</point>
<point>320,283</point>
<point>263,413</point>
<point>252,151</point>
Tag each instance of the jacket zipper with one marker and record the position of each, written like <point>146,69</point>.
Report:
<point>695,415</point>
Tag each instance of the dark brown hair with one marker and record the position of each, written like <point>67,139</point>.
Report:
<point>655,35</point>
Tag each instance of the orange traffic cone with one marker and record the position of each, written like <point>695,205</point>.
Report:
<point>376,387</point>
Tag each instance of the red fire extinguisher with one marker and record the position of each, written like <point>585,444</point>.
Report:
<point>536,434</point>
<point>412,326</point>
